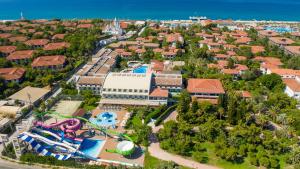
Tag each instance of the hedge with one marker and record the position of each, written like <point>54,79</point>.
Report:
<point>165,114</point>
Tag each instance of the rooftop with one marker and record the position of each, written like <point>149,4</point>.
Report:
<point>22,54</point>
<point>29,94</point>
<point>12,73</point>
<point>205,86</point>
<point>48,61</point>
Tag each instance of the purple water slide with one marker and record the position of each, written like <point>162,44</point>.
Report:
<point>68,126</point>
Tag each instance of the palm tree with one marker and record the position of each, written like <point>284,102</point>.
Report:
<point>273,112</point>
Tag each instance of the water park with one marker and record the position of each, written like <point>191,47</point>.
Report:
<point>98,139</point>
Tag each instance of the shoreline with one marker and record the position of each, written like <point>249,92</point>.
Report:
<point>165,20</point>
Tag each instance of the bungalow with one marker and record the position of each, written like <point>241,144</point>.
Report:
<point>49,62</point>
<point>266,33</point>
<point>20,56</point>
<point>292,88</point>
<point>221,57</point>
<point>17,39</point>
<point>7,50</point>
<point>5,35</point>
<point>37,43</point>
<point>57,46</point>
<point>243,41</point>
<point>257,49</point>
<point>284,73</point>
<point>281,41</point>
<point>12,74</point>
<point>168,54</point>
<point>58,36</point>
<point>292,50</point>
<point>208,89</point>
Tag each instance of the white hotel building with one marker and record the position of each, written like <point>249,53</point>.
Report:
<point>292,88</point>
<point>132,89</point>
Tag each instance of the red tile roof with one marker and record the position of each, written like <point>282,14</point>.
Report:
<point>281,40</point>
<point>22,54</point>
<point>245,94</point>
<point>257,49</point>
<point>56,46</point>
<point>12,73</point>
<point>7,49</point>
<point>5,35</point>
<point>87,25</point>
<point>293,49</point>
<point>49,61</point>
<point>58,36</point>
<point>292,84</point>
<point>158,92</point>
<point>205,86</point>
<point>37,42</point>
<point>17,39</point>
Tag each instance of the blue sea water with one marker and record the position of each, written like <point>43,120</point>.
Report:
<point>152,9</point>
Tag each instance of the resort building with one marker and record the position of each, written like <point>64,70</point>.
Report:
<point>22,56</point>
<point>172,81</point>
<point>37,43</point>
<point>12,74</point>
<point>30,95</point>
<point>292,50</point>
<point>267,33</point>
<point>49,62</point>
<point>132,89</point>
<point>92,83</point>
<point>284,73</point>
<point>292,88</point>
<point>6,50</point>
<point>281,41</point>
<point>56,46</point>
<point>205,89</point>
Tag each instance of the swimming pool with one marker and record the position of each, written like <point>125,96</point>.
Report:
<point>279,29</point>
<point>105,119</point>
<point>91,147</point>
<point>141,69</point>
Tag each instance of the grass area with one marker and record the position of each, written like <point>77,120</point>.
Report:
<point>216,161</point>
<point>152,162</point>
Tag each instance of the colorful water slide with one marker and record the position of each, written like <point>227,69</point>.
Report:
<point>31,139</point>
<point>43,150</point>
<point>55,136</point>
<point>109,132</point>
<point>68,126</point>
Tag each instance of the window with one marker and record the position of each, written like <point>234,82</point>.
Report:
<point>114,90</point>
<point>130,90</point>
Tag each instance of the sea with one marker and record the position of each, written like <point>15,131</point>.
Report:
<point>283,10</point>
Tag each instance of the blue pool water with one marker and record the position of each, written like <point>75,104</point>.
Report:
<point>141,69</point>
<point>105,119</point>
<point>280,29</point>
<point>91,147</point>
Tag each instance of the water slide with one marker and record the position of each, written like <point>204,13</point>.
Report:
<point>68,126</point>
<point>124,148</point>
<point>107,131</point>
<point>55,136</point>
<point>41,149</point>
<point>71,149</point>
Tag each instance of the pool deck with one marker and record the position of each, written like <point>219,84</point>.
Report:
<point>110,143</point>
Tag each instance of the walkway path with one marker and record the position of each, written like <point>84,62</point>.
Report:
<point>155,150</point>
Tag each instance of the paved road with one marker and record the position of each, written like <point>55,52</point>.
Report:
<point>11,165</point>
